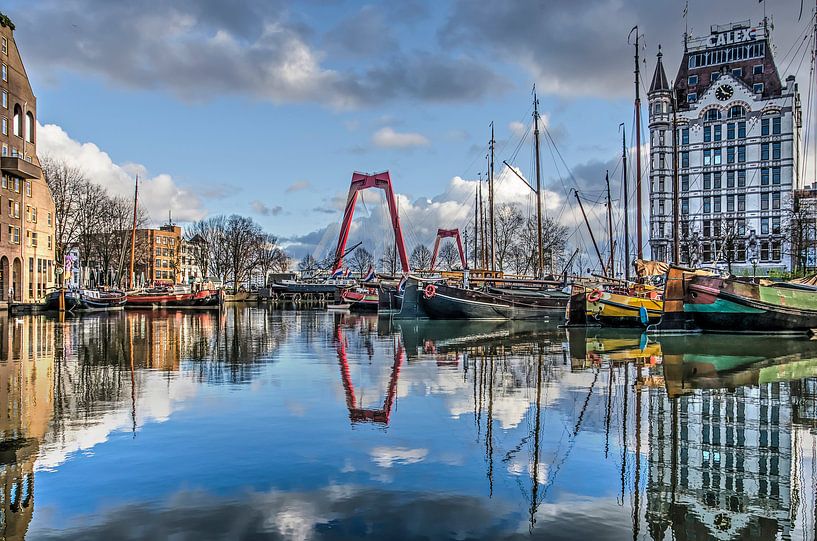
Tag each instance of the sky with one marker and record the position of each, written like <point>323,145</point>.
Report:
<point>265,108</point>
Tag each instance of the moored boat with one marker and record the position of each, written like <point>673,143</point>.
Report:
<point>206,298</point>
<point>709,302</point>
<point>635,307</point>
<point>86,300</point>
<point>363,299</point>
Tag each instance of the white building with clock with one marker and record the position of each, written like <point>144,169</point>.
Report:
<point>738,128</point>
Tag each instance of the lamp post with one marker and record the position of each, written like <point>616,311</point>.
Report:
<point>753,261</point>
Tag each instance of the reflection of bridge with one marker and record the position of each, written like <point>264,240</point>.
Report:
<point>358,414</point>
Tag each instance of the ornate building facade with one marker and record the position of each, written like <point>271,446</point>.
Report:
<point>737,128</point>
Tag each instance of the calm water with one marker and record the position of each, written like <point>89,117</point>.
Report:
<point>305,425</point>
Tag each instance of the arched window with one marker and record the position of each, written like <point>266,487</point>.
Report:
<point>29,127</point>
<point>713,114</point>
<point>17,125</point>
<point>737,111</point>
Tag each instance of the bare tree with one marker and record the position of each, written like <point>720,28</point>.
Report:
<point>269,256</point>
<point>388,262</point>
<point>361,260</point>
<point>307,264</point>
<point>449,257</point>
<point>728,242</point>
<point>509,223</point>
<point>213,258</point>
<point>800,232</point>
<point>240,237</point>
<point>93,201</point>
<point>65,183</point>
<point>420,257</point>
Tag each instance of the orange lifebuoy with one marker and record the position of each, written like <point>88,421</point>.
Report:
<point>430,291</point>
<point>594,296</point>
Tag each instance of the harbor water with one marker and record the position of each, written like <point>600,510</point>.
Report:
<point>261,423</point>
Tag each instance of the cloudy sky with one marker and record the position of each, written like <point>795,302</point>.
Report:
<point>265,107</point>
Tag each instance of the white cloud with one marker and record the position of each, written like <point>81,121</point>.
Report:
<point>158,193</point>
<point>387,137</point>
<point>386,457</point>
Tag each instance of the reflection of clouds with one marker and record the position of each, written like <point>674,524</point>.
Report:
<point>157,397</point>
<point>345,512</point>
<point>386,457</point>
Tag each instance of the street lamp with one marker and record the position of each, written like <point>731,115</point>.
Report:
<point>753,261</point>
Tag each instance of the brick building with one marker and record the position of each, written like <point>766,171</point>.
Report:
<point>26,205</point>
<point>162,266</point>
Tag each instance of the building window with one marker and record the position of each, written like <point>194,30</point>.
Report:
<point>764,176</point>
<point>757,69</point>
<point>707,205</point>
<point>713,114</point>
<point>716,180</point>
<point>764,126</point>
<point>764,226</point>
<point>685,159</point>
<point>741,178</point>
<point>730,203</point>
<point>741,202</point>
<point>764,250</point>
<point>775,225</point>
<point>776,175</point>
<point>776,250</point>
<point>49,218</point>
<point>730,154</point>
<point>5,98</point>
<point>757,88</point>
<point>716,207</point>
<point>5,126</point>
<point>730,179</point>
<point>692,80</point>
<point>775,200</point>
<point>714,76</point>
<point>685,206</point>
<point>764,151</point>
<point>737,111</point>
<point>741,153</point>
<point>28,188</point>
<point>707,157</point>
<point>707,134</point>
<point>29,127</point>
<point>776,125</point>
<point>707,181</point>
<point>5,46</point>
<point>684,183</point>
<point>730,131</point>
<point>741,129</point>
<point>685,136</point>
<point>737,72</point>
<point>692,97</point>
<point>776,151</point>
<point>716,132</point>
<point>17,121</point>
<point>764,201</point>
<point>4,72</point>
<point>5,149</point>
<point>49,242</point>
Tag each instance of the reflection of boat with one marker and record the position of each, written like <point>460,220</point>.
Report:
<point>594,345</point>
<point>712,303</point>
<point>364,299</point>
<point>710,362</point>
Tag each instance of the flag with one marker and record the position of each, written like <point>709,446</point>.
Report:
<point>347,272</point>
<point>338,273</point>
<point>401,287</point>
<point>369,274</point>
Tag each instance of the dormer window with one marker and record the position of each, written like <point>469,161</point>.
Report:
<point>713,114</point>
<point>692,80</point>
<point>737,111</point>
<point>758,88</point>
<point>757,69</point>
<point>714,76</point>
<point>737,72</point>
<point>692,97</point>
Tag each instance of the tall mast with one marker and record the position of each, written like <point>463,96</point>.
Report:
<point>476,222</point>
<point>639,233</point>
<point>133,234</point>
<point>539,251</point>
<point>491,199</point>
<point>590,229</point>
<point>610,225</point>
<point>626,196</point>
<point>676,221</point>
<point>483,245</point>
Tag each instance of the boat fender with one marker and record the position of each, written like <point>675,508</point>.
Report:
<point>594,296</point>
<point>430,291</point>
<point>644,315</point>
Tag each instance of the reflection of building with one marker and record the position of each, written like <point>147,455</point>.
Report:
<point>726,474</point>
<point>164,247</point>
<point>26,205</point>
<point>737,125</point>
<point>26,407</point>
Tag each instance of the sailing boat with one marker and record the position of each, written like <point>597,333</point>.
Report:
<point>521,300</point>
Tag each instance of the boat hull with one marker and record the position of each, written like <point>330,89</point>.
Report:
<point>449,302</point>
<point>611,309</point>
<point>200,299</point>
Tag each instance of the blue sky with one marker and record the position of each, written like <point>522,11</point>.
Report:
<point>266,108</point>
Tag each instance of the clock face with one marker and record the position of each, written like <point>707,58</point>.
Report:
<point>724,92</point>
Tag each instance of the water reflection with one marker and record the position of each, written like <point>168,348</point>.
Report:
<point>483,430</point>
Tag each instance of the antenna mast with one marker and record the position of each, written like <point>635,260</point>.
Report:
<point>540,256</point>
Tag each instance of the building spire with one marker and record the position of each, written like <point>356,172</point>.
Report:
<point>659,78</point>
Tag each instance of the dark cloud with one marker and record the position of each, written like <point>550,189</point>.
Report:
<point>362,34</point>
<point>258,49</point>
<point>580,47</point>
<point>261,208</point>
<point>346,512</point>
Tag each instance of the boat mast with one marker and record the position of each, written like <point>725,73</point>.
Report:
<point>483,254</point>
<point>676,221</point>
<point>491,199</point>
<point>133,234</point>
<point>639,233</point>
<point>476,222</point>
<point>610,225</point>
<point>590,229</point>
<point>626,209</point>
<point>539,253</point>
